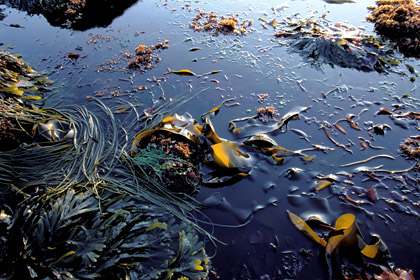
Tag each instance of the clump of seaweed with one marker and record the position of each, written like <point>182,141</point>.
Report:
<point>146,58</point>
<point>19,81</point>
<point>172,161</point>
<point>72,205</point>
<point>410,148</point>
<point>398,20</point>
<point>321,42</point>
<point>267,113</point>
<point>11,134</point>
<point>79,235</point>
<point>208,21</point>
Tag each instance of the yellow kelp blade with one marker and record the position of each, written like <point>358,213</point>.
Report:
<point>210,133</point>
<point>228,155</point>
<point>32,97</point>
<point>215,110</point>
<point>322,184</point>
<point>307,158</point>
<point>184,126</point>
<point>12,89</point>
<point>261,141</point>
<point>279,151</point>
<point>377,248</point>
<point>183,72</point>
<point>350,238</point>
<point>303,226</point>
<point>139,137</point>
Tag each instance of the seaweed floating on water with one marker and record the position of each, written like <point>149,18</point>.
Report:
<point>410,148</point>
<point>205,21</point>
<point>321,42</point>
<point>145,57</point>
<point>346,241</point>
<point>398,20</point>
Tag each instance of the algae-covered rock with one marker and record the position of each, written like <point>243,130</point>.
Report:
<point>19,81</point>
<point>398,20</point>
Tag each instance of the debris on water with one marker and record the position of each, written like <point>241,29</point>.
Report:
<point>379,129</point>
<point>410,147</point>
<point>74,56</point>
<point>146,58</point>
<point>209,22</point>
<point>266,114</point>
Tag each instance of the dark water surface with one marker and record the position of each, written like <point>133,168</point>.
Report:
<point>251,65</point>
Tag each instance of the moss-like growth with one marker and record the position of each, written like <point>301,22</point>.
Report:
<point>145,57</point>
<point>204,21</point>
<point>398,20</point>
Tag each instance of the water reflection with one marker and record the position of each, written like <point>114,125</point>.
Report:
<point>74,14</point>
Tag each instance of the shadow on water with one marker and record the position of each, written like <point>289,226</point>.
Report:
<point>77,15</point>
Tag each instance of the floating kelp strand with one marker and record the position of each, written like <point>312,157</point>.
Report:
<point>398,171</point>
<point>360,113</point>
<point>368,159</point>
<point>216,109</point>
<point>370,145</point>
<point>302,134</point>
<point>366,169</point>
<point>335,142</point>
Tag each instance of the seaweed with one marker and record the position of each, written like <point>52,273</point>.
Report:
<point>399,21</point>
<point>20,82</point>
<point>80,235</point>
<point>320,42</point>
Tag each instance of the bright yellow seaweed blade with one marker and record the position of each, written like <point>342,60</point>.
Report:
<point>351,237</point>
<point>184,72</point>
<point>322,184</point>
<point>303,226</point>
<point>228,155</point>
<point>32,97</point>
<point>12,89</point>
<point>376,248</point>
<point>211,134</point>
